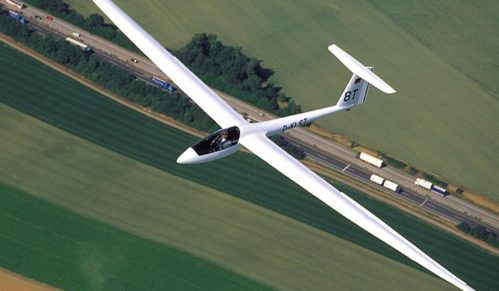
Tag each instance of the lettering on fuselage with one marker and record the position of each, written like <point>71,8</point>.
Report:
<point>294,124</point>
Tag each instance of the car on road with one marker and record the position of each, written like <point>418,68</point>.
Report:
<point>134,61</point>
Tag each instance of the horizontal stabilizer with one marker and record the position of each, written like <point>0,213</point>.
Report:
<point>360,70</point>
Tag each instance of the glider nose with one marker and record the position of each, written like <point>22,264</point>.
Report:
<point>187,157</point>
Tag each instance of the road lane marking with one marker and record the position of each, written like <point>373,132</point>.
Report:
<point>348,166</point>
<point>423,202</point>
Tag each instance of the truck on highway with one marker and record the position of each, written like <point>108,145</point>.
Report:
<point>429,186</point>
<point>377,179</point>
<point>85,48</point>
<point>439,190</point>
<point>18,5</point>
<point>423,183</point>
<point>392,186</point>
<point>162,84</point>
<point>370,159</point>
<point>247,117</point>
<point>17,17</point>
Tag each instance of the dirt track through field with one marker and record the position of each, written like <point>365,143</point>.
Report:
<point>14,282</point>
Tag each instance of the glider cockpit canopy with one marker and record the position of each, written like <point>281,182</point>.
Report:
<point>217,141</point>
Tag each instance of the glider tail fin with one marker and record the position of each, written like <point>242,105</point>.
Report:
<point>355,92</point>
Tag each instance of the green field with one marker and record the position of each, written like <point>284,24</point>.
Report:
<point>441,58</point>
<point>58,247</point>
<point>131,194</point>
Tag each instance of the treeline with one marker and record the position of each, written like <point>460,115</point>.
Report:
<point>229,70</point>
<point>93,23</point>
<point>392,161</point>
<point>119,81</point>
<point>292,149</point>
<point>480,232</point>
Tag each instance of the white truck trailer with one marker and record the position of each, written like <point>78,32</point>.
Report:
<point>423,183</point>
<point>392,186</point>
<point>83,46</point>
<point>377,179</point>
<point>370,159</point>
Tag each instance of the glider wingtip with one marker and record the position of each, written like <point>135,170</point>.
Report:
<point>384,87</point>
<point>334,49</point>
<point>390,90</point>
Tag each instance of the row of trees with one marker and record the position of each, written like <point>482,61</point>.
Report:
<point>480,232</point>
<point>229,70</point>
<point>392,161</point>
<point>118,80</point>
<point>292,149</point>
<point>93,23</point>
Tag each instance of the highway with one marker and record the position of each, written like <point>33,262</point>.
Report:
<point>327,152</point>
<point>363,175</point>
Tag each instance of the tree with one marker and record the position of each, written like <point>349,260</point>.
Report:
<point>464,227</point>
<point>227,68</point>
<point>480,232</point>
<point>95,20</point>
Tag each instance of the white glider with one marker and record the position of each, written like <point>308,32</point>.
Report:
<point>236,131</point>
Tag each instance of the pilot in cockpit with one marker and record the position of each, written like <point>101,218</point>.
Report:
<point>221,142</point>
